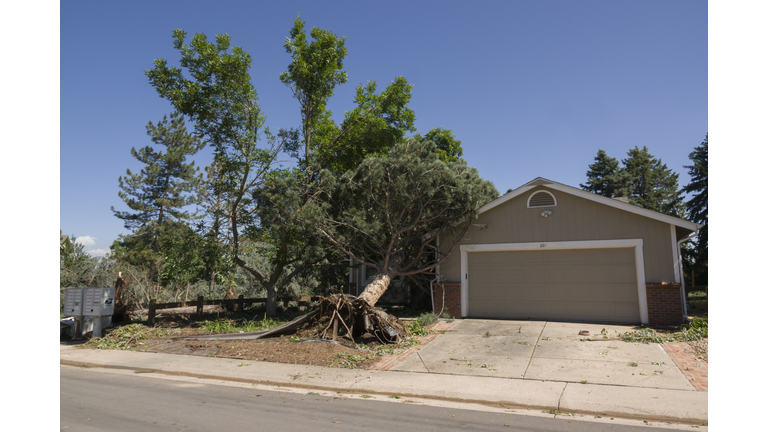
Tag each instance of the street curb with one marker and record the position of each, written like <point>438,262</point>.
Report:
<point>502,404</point>
<point>560,407</point>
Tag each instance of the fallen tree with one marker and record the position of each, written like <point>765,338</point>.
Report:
<point>336,316</point>
<point>390,212</point>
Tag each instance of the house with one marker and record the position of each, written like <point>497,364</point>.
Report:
<point>548,251</point>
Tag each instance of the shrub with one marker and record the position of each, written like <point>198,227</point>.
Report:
<point>427,319</point>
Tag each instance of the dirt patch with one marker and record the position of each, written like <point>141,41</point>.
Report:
<point>701,348</point>
<point>297,348</point>
<point>279,350</point>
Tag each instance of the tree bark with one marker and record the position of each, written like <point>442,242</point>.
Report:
<point>271,301</point>
<point>378,287</point>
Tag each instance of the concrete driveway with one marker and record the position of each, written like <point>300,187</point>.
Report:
<point>546,351</point>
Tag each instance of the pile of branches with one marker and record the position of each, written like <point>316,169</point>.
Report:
<point>336,316</point>
<point>353,318</point>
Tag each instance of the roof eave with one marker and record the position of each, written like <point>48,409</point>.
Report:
<point>540,181</point>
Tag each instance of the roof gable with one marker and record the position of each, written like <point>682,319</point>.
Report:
<point>540,181</point>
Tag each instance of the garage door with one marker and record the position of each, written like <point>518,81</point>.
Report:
<point>564,285</point>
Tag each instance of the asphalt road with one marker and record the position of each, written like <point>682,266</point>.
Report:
<point>97,400</point>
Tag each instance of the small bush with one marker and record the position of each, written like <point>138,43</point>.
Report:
<point>415,328</point>
<point>427,319</point>
<point>698,325</point>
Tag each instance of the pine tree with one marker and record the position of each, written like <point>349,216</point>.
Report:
<point>698,206</point>
<point>161,191</point>
<point>652,185</point>
<point>606,178</point>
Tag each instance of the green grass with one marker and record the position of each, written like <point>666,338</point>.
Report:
<point>242,325</point>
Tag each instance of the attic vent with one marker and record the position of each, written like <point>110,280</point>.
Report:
<point>541,199</point>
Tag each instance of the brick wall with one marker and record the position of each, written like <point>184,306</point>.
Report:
<point>665,306</point>
<point>452,298</point>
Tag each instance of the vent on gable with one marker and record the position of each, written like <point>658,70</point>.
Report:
<point>541,199</point>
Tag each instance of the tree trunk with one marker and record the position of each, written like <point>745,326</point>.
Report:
<point>378,287</point>
<point>210,283</point>
<point>271,301</point>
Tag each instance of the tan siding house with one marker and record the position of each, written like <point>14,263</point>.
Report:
<point>553,252</point>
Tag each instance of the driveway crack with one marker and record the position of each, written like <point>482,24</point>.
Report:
<point>534,349</point>
<point>560,399</point>
<point>422,362</point>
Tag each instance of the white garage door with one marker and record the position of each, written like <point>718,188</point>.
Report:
<point>563,285</point>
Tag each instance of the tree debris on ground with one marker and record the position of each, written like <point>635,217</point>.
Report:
<point>336,316</point>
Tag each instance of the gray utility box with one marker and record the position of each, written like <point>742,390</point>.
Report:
<point>73,301</point>
<point>99,302</point>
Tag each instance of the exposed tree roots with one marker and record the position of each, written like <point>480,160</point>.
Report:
<point>337,316</point>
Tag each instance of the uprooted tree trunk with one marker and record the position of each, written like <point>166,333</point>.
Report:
<point>374,290</point>
<point>354,317</point>
<point>346,314</point>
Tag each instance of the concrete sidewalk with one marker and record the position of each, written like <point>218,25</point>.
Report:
<point>604,400</point>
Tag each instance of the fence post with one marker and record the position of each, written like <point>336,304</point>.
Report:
<point>151,314</point>
<point>240,303</point>
<point>200,306</point>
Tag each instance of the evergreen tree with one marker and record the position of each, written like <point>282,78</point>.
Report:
<point>161,191</point>
<point>651,184</point>
<point>698,206</point>
<point>388,213</point>
<point>606,178</point>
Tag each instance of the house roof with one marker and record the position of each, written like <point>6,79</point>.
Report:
<point>682,226</point>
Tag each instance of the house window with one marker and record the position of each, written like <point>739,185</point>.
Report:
<point>541,199</point>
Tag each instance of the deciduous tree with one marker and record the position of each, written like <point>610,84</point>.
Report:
<point>221,99</point>
<point>447,147</point>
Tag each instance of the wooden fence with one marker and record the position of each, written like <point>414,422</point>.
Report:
<point>240,302</point>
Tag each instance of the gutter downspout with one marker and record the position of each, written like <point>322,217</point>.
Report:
<point>682,273</point>
<point>437,275</point>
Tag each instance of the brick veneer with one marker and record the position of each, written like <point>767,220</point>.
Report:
<point>664,303</point>
<point>452,298</point>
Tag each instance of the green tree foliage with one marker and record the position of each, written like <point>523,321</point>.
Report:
<point>652,185</point>
<point>223,102</point>
<point>389,211</point>
<point>214,228</point>
<point>447,147</point>
<point>313,74</point>
<point>377,121</point>
<point>165,185</point>
<point>76,267</point>
<point>605,177</point>
<point>162,189</point>
<point>643,179</point>
<point>265,205</point>
<point>698,207</point>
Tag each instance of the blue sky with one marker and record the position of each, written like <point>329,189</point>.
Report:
<point>530,88</point>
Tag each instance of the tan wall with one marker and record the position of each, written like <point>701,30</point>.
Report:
<point>573,219</point>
